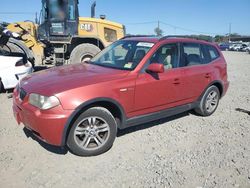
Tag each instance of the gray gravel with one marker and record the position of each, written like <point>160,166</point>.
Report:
<point>182,151</point>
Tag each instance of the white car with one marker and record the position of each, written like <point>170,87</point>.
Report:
<point>13,69</point>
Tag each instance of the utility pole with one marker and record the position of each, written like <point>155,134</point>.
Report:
<point>36,20</point>
<point>230,29</point>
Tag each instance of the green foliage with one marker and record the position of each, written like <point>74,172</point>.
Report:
<point>159,32</point>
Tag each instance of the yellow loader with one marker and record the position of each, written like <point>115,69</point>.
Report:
<point>62,37</point>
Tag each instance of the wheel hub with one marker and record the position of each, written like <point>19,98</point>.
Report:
<point>92,133</point>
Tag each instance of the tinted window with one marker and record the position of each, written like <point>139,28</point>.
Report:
<point>168,55</point>
<point>192,55</point>
<point>71,10</point>
<point>214,54</point>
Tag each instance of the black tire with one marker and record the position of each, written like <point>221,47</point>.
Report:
<point>98,112</point>
<point>11,48</point>
<point>202,108</point>
<point>83,51</point>
<point>17,48</point>
<point>1,86</point>
<point>29,54</point>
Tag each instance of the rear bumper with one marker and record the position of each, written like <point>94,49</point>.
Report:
<point>46,125</point>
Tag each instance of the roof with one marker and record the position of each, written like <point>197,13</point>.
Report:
<point>155,39</point>
<point>143,39</point>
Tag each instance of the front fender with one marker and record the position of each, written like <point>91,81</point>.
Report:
<point>84,106</point>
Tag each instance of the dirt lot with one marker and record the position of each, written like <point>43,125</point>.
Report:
<point>183,151</point>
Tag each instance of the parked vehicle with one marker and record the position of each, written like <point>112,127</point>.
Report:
<point>16,61</point>
<point>244,48</point>
<point>237,47</point>
<point>248,49</point>
<point>233,46</point>
<point>133,81</point>
<point>224,46</point>
<point>13,69</point>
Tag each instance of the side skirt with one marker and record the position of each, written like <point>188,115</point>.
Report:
<point>158,115</point>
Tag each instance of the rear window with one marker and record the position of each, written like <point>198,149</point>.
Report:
<point>213,52</point>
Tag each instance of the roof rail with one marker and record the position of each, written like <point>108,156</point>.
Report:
<point>208,39</point>
<point>131,36</point>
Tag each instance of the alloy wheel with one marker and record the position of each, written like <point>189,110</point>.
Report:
<point>212,101</point>
<point>92,133</point>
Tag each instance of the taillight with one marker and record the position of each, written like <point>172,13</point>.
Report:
<point>19,63</point>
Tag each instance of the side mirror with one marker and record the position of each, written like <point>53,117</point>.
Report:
<point>155,68</point>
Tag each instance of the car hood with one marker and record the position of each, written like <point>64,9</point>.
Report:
<point>58,79</point>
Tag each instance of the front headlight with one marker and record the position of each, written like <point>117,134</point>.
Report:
<point>43,102</point>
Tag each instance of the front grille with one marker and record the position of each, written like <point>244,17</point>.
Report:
<point>22,93</point>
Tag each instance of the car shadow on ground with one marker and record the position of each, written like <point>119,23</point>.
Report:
<point>64,150</point>
<point>153,123</point>
<point>50,148</point>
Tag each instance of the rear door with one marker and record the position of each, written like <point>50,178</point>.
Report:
<point>197,72</point>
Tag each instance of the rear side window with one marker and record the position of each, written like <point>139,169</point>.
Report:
<point>213,52</point>
<point>192,55</point>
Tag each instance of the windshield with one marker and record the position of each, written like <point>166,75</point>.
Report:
<point>123,55</point>
<point>57,9</point>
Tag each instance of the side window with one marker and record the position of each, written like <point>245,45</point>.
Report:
<point>168,55</point>
<point>110,35</point>
<point>192,55</point>
<point>71,9</point>
<point>120,53</point>
<point>214,54</point>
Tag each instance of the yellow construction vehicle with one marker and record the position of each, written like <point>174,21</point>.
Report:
<point>62,37</point>
<point>27,32</point>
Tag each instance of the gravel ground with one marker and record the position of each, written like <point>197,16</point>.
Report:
<point>182,151</point>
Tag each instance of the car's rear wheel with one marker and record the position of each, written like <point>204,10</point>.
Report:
<point>93,132</point>
<point>209,102</point>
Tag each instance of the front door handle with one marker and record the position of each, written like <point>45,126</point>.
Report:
<point>177,81</point>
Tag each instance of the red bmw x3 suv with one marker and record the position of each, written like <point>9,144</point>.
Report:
<point>133,81</point>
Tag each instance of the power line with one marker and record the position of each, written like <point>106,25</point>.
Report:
<point>174,26</point>
<point>17,13</point>
<point>187,29</point>
<point>142,23</point>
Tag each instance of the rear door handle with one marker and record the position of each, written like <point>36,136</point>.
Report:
<point>207,75</point>
<point>177,81</point>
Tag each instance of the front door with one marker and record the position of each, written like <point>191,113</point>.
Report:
<point>155,92</point>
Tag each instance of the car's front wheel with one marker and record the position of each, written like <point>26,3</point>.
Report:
<point>209,102</point>
<point>93,132</point>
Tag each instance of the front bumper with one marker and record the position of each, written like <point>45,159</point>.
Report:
<point>46,125</point>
